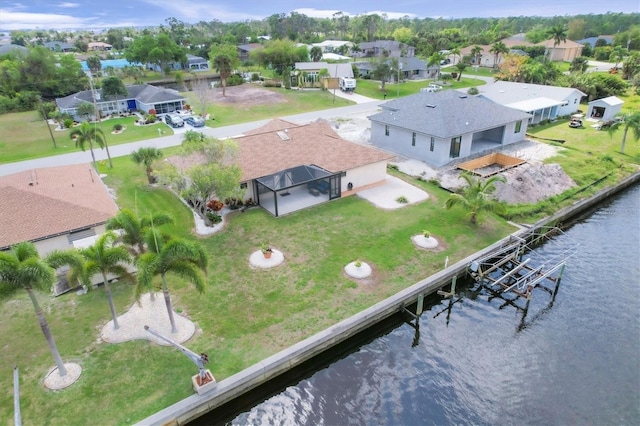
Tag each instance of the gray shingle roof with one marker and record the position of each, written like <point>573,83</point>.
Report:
<point>144,93</point>
<point>446,114</point>
<point>507,92</point>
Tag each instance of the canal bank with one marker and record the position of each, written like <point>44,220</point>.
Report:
<point>238,384</point>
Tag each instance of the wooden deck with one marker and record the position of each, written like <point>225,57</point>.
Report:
<point>490,164</point>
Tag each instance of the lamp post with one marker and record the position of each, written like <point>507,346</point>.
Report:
<point>398,82</point>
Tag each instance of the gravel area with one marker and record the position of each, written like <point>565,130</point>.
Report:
<point>151,313</point>
<point>54,381</point>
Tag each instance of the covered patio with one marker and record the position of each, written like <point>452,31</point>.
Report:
<point>541,108</point>
<point>296,188</point>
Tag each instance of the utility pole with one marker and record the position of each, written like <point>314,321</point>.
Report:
<point>97,116</point>
<point>17,417</point>
<point>46,122</point>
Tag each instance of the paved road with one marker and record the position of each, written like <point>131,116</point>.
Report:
<point>81,157</point>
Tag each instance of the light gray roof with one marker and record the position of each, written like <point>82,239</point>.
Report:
<point>610,100</point>
<point>304,66</point>
<point>8,48</point>
<point>143,93</point>
<point>507,92</point>
<point>446,114</point>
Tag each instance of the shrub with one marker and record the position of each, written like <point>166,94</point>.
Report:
<point>215,205</point>
<point>68,123</point>
<point>152,111</point>
<point>473,91</point>
<point>255,76</point>
<point>214,217</point>
<point>402,199</point>
<point>117,127</point>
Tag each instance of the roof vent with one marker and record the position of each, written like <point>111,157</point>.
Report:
<point>431,106</point>
<point>463,96</point>
<point>283,135</point>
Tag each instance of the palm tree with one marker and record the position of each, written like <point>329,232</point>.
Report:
<point>106,258</point>
<point>627,120</point>
<point>559,34</point>
<point>455,52</point>
<point>146,156</point>
<point>476,52</point>
<point>22,267</point>
<point>475,197</point>
<point>135,227</point>
<point>88,134</point>
<point>315,53</point>
<point>498,48</point>
<point>170,255</point>
<point>223,66</point>
<point>461,66</point>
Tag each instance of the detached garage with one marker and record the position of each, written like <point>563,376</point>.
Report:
<point>604,109</point>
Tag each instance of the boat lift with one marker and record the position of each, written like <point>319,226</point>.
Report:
<point>514,270</point>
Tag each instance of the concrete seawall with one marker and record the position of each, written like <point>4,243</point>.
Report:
<point>194,406</point>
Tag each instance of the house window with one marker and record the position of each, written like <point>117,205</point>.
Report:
<point>432,144</point>
<point>454,152</point>
<point>243,185</point>
<point>518,126</point>
<point>413,139</point>
<point>575,101</point>
<point>386,130</point>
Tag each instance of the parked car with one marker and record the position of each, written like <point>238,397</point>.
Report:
<point>195,121</point>
<point>173,120</point>
<point>431,88</point>
<point>575,123</point>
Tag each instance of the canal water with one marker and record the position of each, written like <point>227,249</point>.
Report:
<point>573,361</point>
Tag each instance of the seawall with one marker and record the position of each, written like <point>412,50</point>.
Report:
<point>232,387</point>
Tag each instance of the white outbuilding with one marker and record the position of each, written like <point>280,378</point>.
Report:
<point>604,109</point>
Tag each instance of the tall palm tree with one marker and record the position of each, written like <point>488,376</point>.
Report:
<point>222,63</point>
<point>88,134</point>
<point>105,257</point>
<point>170,255</point>
<point>559,34</point>
<point>135,227</point>
<point>22,267</point>
<point>476,52</point>
<point>475,197</point>
<point>146,156</point>
<point>498,48</point>
<point>627,120</point>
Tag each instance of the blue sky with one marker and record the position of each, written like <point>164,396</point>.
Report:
<point>47,14</point>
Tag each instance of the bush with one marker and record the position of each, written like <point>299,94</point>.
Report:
<point>152,111</point>
<point>255,76</point>
<point>272,83</point>
<point>215,205</point>
<point>117,127</point>
<point>68,123</point>
<point>214,217</point>
<point>234,80</point>
<point>402,199</point>
<point>473,91</point>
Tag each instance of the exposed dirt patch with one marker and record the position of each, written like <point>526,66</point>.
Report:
<point>247,95</point>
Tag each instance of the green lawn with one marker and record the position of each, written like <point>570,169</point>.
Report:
<point>245,314</point>
<point>372,88</point>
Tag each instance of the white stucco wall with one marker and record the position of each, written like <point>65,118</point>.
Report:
<point>609,112</point>
<point>61,242</point>
<point>573,105</point>
<point>364,175</point>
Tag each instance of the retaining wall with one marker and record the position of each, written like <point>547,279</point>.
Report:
<point>194,406</point>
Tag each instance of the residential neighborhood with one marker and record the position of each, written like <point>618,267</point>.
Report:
<point>284,191</point>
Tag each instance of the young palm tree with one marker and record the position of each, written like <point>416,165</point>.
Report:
<point>89,134</point>
<point>106,258</point>
<point>22,267</point>
<point>476,52</point>
<point>628,120</point>
<point>222,64</point>
<point>146,156</point>
<point>170,255</point>
<point>135,227</point>
<point>475,197</point>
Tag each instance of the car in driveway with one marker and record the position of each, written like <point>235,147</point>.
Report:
<point>173,120</point>
<point>431,88</point>
<point>195,121</point>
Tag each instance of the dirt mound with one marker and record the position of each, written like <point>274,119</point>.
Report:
<point>249,95</point>
<point>530,183</point>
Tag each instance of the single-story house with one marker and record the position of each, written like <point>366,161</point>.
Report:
<point>6,49</point>
<point>329,46</point>
<point>193,63</point>
<point>410,69</point>
<point>541,101</point>
<point>53,207</point>
<point>59,46</point>
<point>607,39</point>
<point>311,72</point>
<point>288,167</point>
<point>565,51</point>
<point>244,50</point>
<point>604,109</point>
<point>441,127</point>
<point>98,46</point>
<point>143,97</point>
<point>386,48</point>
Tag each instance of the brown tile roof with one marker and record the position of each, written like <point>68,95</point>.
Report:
<point>262,151</point>
<point>39,203</point>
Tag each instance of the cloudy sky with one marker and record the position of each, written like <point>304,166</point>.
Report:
<point>46,14</point>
